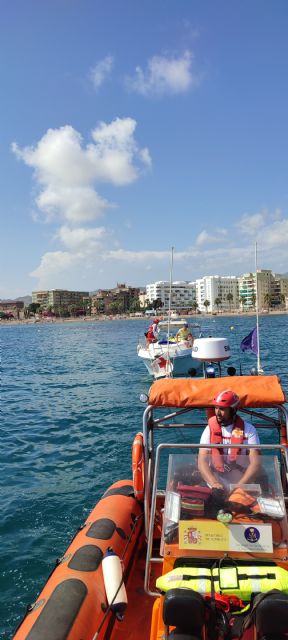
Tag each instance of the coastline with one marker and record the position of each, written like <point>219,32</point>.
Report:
<point>32,321</point>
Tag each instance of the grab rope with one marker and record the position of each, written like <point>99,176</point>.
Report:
<point>108,610</point>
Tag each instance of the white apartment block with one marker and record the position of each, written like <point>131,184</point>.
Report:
<point>183,294</point>
<point>247,290</point>
<point>222,293</point>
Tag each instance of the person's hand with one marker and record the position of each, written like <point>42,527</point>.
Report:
<point>217,485</point>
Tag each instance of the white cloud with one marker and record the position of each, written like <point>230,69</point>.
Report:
<point>81,238</point>
<point>115,151</point>
<point>88,255</point>
<point>99,73</point>
<point>66,171</point>
<point>270,229</point>
<point>277,214</point>
<point>75,204</point>
<point>145,157</point>
<point>52,265</point>
<point>136,256</point>
<point>209,238</point>
<point>275,236</point>
<point>165,75</point>
<point>251,224</point>
<point>58,158</point>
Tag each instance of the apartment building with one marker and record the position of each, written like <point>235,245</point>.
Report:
<point>59,298</point>
<point>281,289</point>
<point>222,293</point>
<point>272,289</point>
<point>183,294</point>
<point>247,291</point>
<point>267,289</point>
<point>120,298</point>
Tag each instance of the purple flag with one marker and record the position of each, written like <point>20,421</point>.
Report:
<point>250,343</point>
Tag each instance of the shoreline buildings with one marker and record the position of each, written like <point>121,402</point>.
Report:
<point>213,294</point>
<point>183,294</point>
<point>59,298</point>
<point>210,294</point>
<point>119,299</point>
<point>272,289</point>
<point>222,293</point>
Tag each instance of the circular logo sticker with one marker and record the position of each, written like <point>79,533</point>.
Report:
<point>252,534</point>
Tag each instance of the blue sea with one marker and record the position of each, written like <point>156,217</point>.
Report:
<point>70,408</point>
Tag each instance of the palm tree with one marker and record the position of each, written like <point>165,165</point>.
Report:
<point>242,301</point>
<point>229,297</point>
<point>33,307</point>
<point>194,306</point>
<point>158,304</point>
<point>99,306</point>
<point>267,300</point>
<point>72,309</point>
<point>134,305</point>
<point>253,299</point>
<point>206,304</point>
<point>115,307</point>
<point>217,301</point>
<point>87,306</point>
<point>149,305</point>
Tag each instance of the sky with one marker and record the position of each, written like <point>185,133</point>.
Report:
<point>130,127</point>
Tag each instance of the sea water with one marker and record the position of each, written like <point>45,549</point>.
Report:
<point>70,409</point>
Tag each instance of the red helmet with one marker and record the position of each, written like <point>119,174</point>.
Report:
<point>226,398</point>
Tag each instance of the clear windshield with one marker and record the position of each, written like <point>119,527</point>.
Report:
<point>237,517</point>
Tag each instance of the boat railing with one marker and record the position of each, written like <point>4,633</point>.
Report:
<point>150,522</point>
<point>156,349</point>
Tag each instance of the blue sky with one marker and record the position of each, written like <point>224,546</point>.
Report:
<point>130,127</point>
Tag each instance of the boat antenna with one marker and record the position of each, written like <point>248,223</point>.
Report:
<point>259,368</point>
<point>168,364</point>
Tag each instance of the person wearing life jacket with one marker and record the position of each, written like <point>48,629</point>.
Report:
<point>152,332</point>
<point>219,467</point>
<point>184,334</point>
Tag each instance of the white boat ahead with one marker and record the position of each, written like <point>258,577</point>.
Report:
<point>170,356</point>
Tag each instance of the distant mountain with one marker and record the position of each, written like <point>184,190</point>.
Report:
<point>26,299</point>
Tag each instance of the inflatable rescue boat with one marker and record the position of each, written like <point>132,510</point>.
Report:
<point>166,556</point>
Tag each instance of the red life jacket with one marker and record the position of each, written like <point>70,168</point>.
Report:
<point>151,333</point>
<point>237,437</point>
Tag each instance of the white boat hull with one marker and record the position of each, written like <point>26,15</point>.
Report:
<point>160,361</point>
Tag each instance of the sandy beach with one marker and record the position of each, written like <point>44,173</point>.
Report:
<point>99,318</point>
